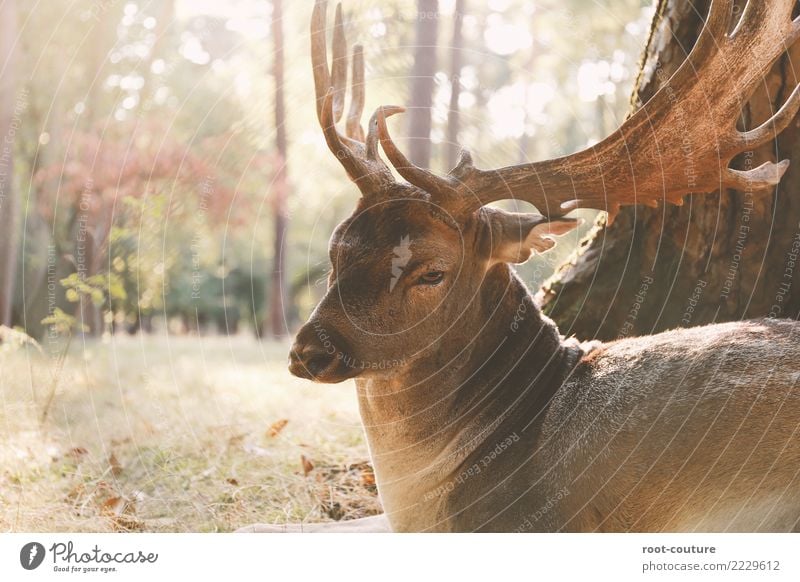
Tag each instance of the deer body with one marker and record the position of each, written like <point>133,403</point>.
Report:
<point>479,416</point>
<point>551,435</point>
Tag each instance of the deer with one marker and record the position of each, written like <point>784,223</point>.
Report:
<point>478,414</point>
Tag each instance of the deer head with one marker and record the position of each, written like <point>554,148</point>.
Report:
<point>418,259</point>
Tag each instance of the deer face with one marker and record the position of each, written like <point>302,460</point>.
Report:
<point>405,272</point>
<point>397,274</point>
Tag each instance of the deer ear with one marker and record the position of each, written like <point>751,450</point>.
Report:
<point>512,237</point>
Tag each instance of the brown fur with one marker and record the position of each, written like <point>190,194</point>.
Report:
<point>687,430</point>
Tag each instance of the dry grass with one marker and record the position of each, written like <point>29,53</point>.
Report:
<point>162,433</point>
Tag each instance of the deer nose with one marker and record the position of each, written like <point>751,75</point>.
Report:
<point>309,360</point>
<point>319,354</point>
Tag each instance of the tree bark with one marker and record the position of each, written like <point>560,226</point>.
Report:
<point>277,294</point>
<point>453,115</point>
<point>720,257</point>
<point>422,83</point>
<point>10,107</point>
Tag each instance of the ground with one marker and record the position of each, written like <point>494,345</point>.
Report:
<point>165,433</point>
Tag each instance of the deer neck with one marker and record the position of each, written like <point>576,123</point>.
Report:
<point>472,389</point>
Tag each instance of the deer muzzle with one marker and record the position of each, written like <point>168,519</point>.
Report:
<point>320,354</point>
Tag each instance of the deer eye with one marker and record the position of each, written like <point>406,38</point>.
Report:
<point>431,278</point>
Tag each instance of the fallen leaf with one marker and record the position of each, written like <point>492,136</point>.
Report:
<point>368,477</point>
<point>236,439</point>
<point>116,467</point>
<point>277,427</point>
<point>122,513</point>
<point>77,452</point>
<point>308,466</point>
<point>114,506</point>
<point>364,471</point>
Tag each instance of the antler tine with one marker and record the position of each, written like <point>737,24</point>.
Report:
<point>464,167</point>
<point>352,164</point>
<point>357,99</point>
<point>372,134</point>
<point>767,175</point>
<point>417,176</point>
<point>339,65</point>
<point>319,54</point>
<point>325,92</point>
<point>369,173</point>
<point>776,124</point>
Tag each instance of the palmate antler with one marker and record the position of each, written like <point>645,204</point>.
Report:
<point>681,141</point>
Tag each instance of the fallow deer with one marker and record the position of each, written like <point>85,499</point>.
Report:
<point>478,414</point>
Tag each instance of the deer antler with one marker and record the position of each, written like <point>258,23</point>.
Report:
<point>358,156</point>
<point>681,141</point>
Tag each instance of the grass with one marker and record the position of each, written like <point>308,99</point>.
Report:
<point>157,433</point>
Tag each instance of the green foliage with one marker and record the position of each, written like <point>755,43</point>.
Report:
<point>63,323</point>
<point>98,288</point>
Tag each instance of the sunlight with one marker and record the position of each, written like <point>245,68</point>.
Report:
<point>504,38</point>
<point>515,109</point>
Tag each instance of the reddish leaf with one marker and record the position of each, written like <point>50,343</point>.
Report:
<point>308,466</point>
<point>116,467</point>
<point>121,512</point>
<point>114,506</point>
<point>236,439</point>
<point>77,452</point>
<point>367,477</point>
<point>277,427</point>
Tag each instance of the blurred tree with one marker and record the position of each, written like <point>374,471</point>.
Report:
<point>158,117</point>
<point>422,82</point>
<point>280,186</point>
<point>130,134</point>
<point>100,174</point>
<point>10,111</point>
<point>656,269</point>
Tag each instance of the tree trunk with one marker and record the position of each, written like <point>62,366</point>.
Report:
<point>419,122</point>
<point>453,120</point>
<point>10,107</point>
<point>277,295</point>
<point>720,257</point>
